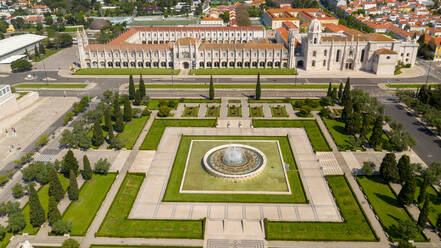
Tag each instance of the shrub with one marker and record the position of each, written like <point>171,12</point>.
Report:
<point>368,168</point>
<point>325,101</point>
<point>9,208</point>
<point>2,232</point>
<point>171,104</point>
<point>305,110</point>
<point>164,111</point>
<point>68,117</point>
<point>102,166</point>
<point>116,143</point>
<point>18,191</point>
<point>16,222</point>
<point>21,65</point>
<point>136,112</point>
<point>299,103</point>
<point>61,227</point>
<point>325,112</point>
<point>37,171</point>
<point>146,112</point>
<point>70,243</point>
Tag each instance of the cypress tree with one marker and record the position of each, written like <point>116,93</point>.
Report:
<point>119,123</point>
<point>388,168</point>
<point>97,134</point>
<point>111,135</point>
<point>41,48</point>
<point>69,163</point>
<point>211,90</point>
<point>73,187</point>
<point>424,213</point>
<point>438,222</point>
<point>340,91</point>
<point>141,87</point>
<point>258,89</point>
<point>334,95</point>
<point>131,88</point>
<point>423,188</point>
<point>55,188</point>
<point>36,53</point>
<point>329,90</point>
<point>357,119</point>
<point>53,214</point>
<point>346,92</point>
<point>407,193</point>
<point>127,109</point>
<point>36,211</point>
<point>377,131</point>
<point>107,118</point>
<point>116,107</point>
<point>137,101</point>
<point>404,168</point>
<point>365,127</point>
<point>87,172</point>
<point>347,110</point>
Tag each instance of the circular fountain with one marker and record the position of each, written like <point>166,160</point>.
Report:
<point>235,161</point>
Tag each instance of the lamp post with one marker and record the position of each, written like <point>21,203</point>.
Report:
<point>295,78</point>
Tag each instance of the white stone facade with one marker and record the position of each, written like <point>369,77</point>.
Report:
<point>247,47</point>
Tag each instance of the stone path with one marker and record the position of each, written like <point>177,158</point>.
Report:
<point>148,204</point>
<point>245,108</point>
<point>328,163</point>
<point>202,110</point>
<point>266,111</point>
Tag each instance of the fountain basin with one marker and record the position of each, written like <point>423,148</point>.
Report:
<point>234,161</point>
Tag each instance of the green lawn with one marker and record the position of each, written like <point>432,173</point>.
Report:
<point>435,202</point>
<point>315,135</point>
<point>126,71</point>
<point>43,194</point>
<point>116,223</point>
<point>82,212</point>
<point>235,86</point>
<point>139,246</point>
<point>51,86</point>
<point>3,179</point>
<point>408,86</point>
<point>256,111</point>
<point>342,140</point>
<point>191,111</point>
<point>271,179</point>
<point>234,111</point>
<point>156,131</point>
<point>21,94</point>
<point>234,101</point>
<point>355,227</point>
<point>384,201</point>
<point>279,111</point>
<point>314,103</point>
<point>213,111</point>
<point>243,71</point>
<point>154,103</point>
<point>48,52</point>
<point>132,130</point>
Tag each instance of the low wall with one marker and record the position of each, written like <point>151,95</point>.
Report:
<point>11,108</point>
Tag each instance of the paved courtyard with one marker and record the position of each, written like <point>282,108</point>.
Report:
<point>321,207</point>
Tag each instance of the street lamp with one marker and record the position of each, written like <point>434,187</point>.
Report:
<point>172,78</point>
<point>295,78</point>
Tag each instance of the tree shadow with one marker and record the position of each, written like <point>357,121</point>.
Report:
<point>389,200</point>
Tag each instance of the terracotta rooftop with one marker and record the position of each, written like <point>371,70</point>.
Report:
<point>385,51</point>
<point>187,41</point>
<point>249,45</point>
<point>125,46</point>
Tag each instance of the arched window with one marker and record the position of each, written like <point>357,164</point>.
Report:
<point>201,64</point>
<point>224,64</point>
<point>155,64</point>
<point>247,64</point>
<point>337,56</point>
<point>231,64</point>
<point>254,64</point>
<point>270,64</point>
<point>362,55</point>
<point>170,64</point>
<point>163,64</point>
<point>313,63</point>
<point>140,64</point>
<point>277,64</point>
<point>315,40</point>
<point>109,64</point>
<point>125,64</point>
<point>262,64</point>
<point>132,64</point>
<point>147,64</point>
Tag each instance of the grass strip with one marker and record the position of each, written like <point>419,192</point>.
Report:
<point>356,226</point>
<point>116,223</point>
<point>155,103</point>
<point>173,194</point>
<point>256,111</point>
<point>279,111</point>
<point>386,205</point>
<point>315,135</point>
<point>48,52</point>
<point>191,111</point>
<point>51,86</point>
<point>132,130</point>
<point>408,86</point>
<point>156,131</point>
<point>82,212</point>
<point>213,111</point>
<point>234,111</point>
<point>435,201</point>
<point>235,86</point>
<point>126,71</point>
<point>139,246</point>
<point>243,71</point>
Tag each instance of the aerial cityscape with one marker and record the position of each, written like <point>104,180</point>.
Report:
<point>257,123</point>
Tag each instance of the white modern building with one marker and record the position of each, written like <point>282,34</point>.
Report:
<point>19,44</point>
<point>10,103</point>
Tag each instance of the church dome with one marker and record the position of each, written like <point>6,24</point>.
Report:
<point>315,26</point>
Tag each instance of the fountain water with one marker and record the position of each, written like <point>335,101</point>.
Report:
<point>234,155</point>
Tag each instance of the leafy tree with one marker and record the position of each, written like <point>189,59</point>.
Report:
<point>87,172</point>
<point>127,109</point>
<point>36,211</point>
<point>388,168</point>
<point>211,90</point>
<point>364,131</point>
<point>142,91</point>
<point>258,89</point>
<point>16,222</point>
<point>424,213</point>
<point>116,143</point>
<point>61,227</point>
<point>36,52</point>
<point>131,88</point>
<point>405,244</point>
<point>21,65</point>
<point>63,40</point>
<point>108,119</point>
<point>53,214</point>
<point>407,193</point>
<point>97,136</point>
<point>399,138</point>
<point>404,168</point>
<point>329,90</point>
<point>164,111</point>
<point>102,166</point>
<point>69,163</point>
<point>407,229</point>
<point>3,231</point>
<point>9,208</point>
<point>70,243</point>
<point>18,190</point>
<point>340,91</point>
<point>55,188</point>
<point>368,168</point>
<point>41,48</point>
<point>73,187</point>
<point>377,132</point>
